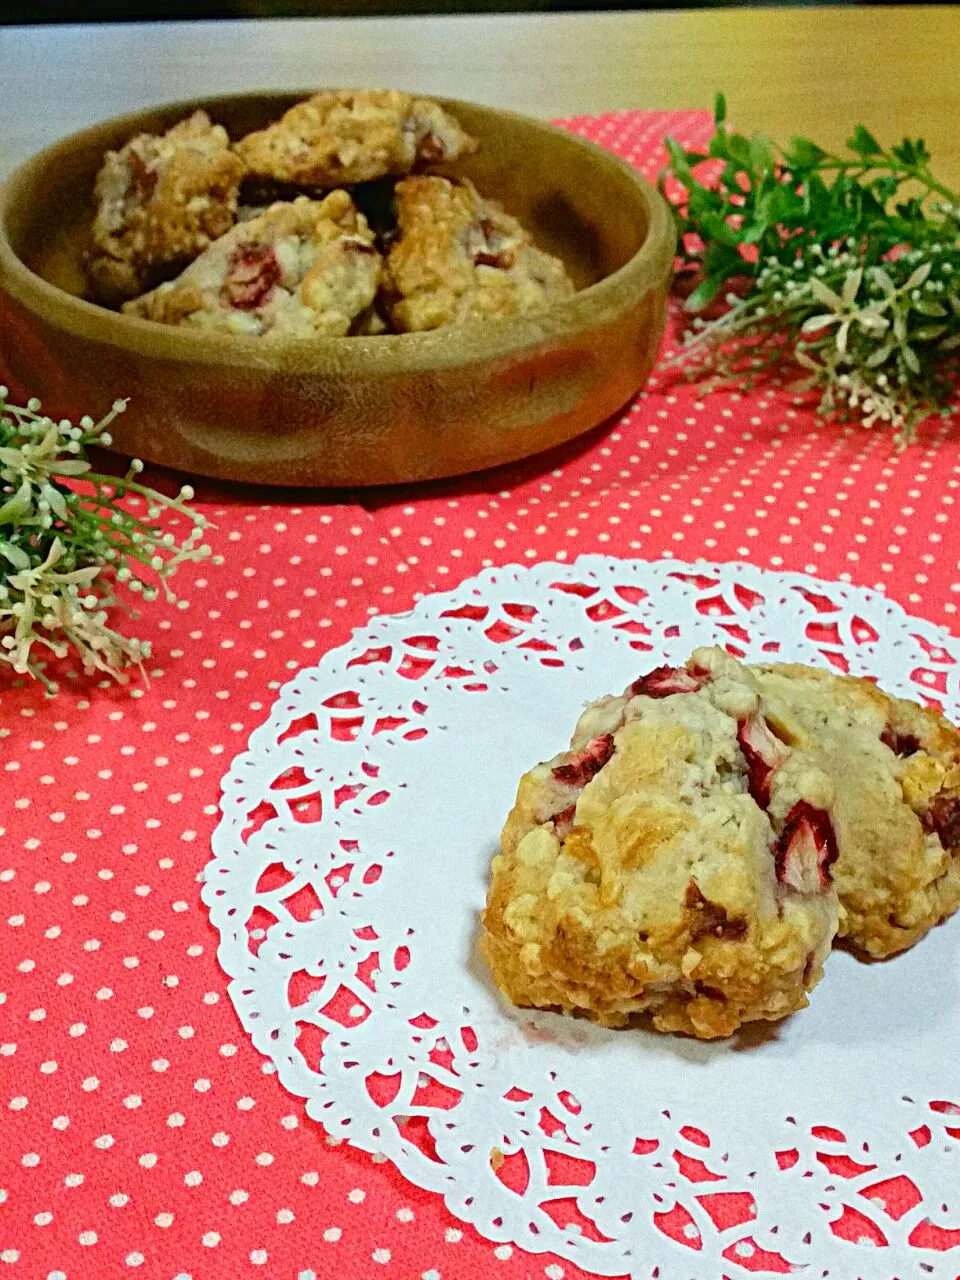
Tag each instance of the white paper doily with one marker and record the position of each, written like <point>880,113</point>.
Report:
<point>350,866</point>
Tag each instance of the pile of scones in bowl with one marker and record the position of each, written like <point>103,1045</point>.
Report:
<point>323,223</point>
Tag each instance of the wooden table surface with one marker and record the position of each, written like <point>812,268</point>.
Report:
<point>784,70</point>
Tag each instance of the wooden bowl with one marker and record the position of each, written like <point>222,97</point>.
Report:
<point>346,411</point>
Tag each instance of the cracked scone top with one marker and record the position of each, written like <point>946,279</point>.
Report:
<point>339,137</point>
<point>675,861</point>
<point>161,199</point>
<point>300,270</point>
<point>897,812</point>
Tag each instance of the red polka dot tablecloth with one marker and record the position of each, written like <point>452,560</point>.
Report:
<point>142,1133</point>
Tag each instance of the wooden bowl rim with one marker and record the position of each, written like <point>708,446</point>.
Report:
<point>479,341</point>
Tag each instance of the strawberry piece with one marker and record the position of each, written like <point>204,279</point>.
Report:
<point>143,180</point>
<point>563,821</point>
<point>587,763</point>
<point>807,849</point>
<point>943,817</point>
<point>251,276</point>
<point>901,744</point>
<point>764,755</point>
<point>661,682</point>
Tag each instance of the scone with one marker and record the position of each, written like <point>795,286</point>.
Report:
<point>337,138</point>
<point>300,270</point>
<point>676,861</point>
<point>457,257</point>
<point>161,200</point>
<point>897,771</point>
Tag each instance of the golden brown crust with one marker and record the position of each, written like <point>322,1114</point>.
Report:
<point>161,200</point>
<point>300,270</point>
<point>638,874</point>
<point>337,138</point>
<point>897,769</point>
<point>459,257</point>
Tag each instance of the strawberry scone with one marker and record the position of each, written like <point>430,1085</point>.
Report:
<point>161,200</point>
<point>896,766</point>
<point>676,861</point>
<point>337,138</point>
<point>458,257</point>
<point>306,269</point>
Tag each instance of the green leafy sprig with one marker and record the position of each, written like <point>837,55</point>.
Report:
<point>67,545</point>
<point>848,265</point>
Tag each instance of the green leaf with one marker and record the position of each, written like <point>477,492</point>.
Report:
<point>704,293</point>
<point>882,278</point>
<point>927,332</point>
<point>16,555</point>
<point>719,109</point>
<point>927,307</point>
<point>732,147</point>
<point>911,152</point>
<point>864,143</point>
<point>17,506</point>
<point>55,497</point>
<point>70,467</point>
<point>761,152</point>
<point>678,162</point>
<point>785,205</point>
<point>916,278</point>
<point>884,187</point>
<point>803,154</point>
<point>880,355</point>
<point>823,293</point>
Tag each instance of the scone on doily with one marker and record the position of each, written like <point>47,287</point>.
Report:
<point>675,861</point>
